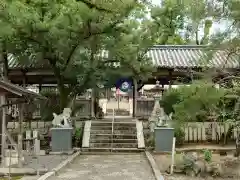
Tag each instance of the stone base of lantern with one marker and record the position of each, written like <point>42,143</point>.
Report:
<point>163,139</point>
<point>61,140</point>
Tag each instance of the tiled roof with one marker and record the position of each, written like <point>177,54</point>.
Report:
<point>190,56</point>
<point>14,63</point>
<point>172,56</point>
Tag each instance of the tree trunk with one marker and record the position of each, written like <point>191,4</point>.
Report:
<point>63,97</point>
<point>237,153</point>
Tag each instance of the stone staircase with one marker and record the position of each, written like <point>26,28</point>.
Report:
<point>118,112</point>
<point>117,136</point>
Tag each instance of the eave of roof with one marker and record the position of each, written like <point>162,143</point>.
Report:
<point>18,90</point>
<point>170,56</point>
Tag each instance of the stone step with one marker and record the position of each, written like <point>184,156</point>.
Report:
<point>114,141</point>
<point>86,152</point>
<point>119,118</point>
<point>124,128</point>
<point>125,113</point>
<point>129,131</point>
<point>125,150</point>
<point>115,136</point>
<point>115,128</point>
<point>117,110</point>
<point>109,123</point>
<point>114,145</point>
<point>94,127</point>
<point>101,131</point>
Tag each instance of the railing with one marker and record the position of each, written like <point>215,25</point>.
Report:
<point>113,119</point>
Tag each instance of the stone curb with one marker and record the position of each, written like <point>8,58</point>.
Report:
<point>59,167</point>
<point>154,166</point>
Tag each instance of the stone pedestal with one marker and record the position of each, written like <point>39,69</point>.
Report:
<point>61,140</point>
<point>163,139</point>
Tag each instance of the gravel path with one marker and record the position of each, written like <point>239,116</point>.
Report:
<point>107,167</point>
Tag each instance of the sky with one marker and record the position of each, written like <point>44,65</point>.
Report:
<point>217,26</point>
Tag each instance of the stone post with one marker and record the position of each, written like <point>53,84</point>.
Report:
<point>37,147</point>
<point>156,113</point>
<point>28,138</point>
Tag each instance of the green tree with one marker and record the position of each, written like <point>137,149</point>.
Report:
<point>66,35</point>
<point>230,38</point>
<point>130,47</point>
<point>168,22</point>
<point>198,16</point>
<point>200,101</point>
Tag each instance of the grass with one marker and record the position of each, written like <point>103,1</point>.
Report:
<point>12,178</point>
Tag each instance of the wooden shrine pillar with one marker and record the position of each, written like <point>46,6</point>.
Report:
<point>40,87</point>
<point>93,103</point>
<point>170,74</point>
<point>3,101</point>
<point>135,96</point>
<point>24,80</point>
<point>20,134</point>
<point>3,128</point>
<point>162,90</point>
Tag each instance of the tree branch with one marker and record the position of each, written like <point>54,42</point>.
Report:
<point>90,34</point>
<point>94,6</point>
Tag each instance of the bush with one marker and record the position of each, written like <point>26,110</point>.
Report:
<point>179,134</point>
<point>196,102</point>
<point>171,97</point>
<point>207,155</point>
<point>77,137</point>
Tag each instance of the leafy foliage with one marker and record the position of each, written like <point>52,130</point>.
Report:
<point>69,36</point>
<point>197,102</point>
<point>207,155</point>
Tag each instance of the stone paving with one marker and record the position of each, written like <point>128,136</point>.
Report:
<point>44,162</point>
<point>107,167</point>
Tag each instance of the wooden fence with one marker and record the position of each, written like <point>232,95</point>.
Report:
<point>209,131</point>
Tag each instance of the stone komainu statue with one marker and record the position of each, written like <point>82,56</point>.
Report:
<point>62,120</point>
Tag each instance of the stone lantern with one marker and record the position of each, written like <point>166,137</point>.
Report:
<point>158,116</point>
<point>163,135</point>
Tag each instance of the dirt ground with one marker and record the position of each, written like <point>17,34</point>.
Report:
<point>231,167</point>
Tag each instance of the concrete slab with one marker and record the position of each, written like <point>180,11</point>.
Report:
<point>140,136</point>
<point>21,171</point>
<point>61,153</point>
<point>107,167</point>
<point>29,178</point>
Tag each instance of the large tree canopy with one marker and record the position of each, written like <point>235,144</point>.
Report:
<point>89,43</point>
<point>69,36</point>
